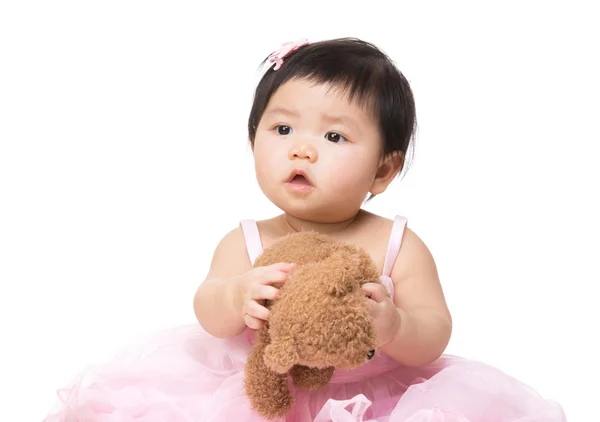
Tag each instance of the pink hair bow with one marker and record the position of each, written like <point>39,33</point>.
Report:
<point>278,56</point>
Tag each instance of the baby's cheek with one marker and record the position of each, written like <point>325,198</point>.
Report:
<point>351,180</point>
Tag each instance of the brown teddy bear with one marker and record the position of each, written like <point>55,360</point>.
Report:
<point>320,322</point>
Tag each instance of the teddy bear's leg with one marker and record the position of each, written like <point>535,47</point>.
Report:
<point>306,378</point>
<point>267,390</point>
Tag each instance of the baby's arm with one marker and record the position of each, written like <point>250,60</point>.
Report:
<point>425,321</point>
<point>233,295</point>
<point>215,301</point>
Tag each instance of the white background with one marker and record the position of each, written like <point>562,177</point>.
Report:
<point>124,159</point>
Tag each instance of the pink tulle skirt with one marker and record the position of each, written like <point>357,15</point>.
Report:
<point>186,375</point>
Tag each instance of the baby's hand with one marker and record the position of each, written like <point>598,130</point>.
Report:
<point>259,284</point>
<point>383,311</point>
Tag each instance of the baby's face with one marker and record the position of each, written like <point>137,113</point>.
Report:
<point>315,130</point>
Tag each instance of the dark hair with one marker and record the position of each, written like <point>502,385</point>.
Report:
<point>364,71</point>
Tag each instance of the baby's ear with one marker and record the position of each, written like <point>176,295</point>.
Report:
<point>281,355</point>
<point>389,167</point>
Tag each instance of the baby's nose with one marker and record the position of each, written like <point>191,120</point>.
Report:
<point>304,152</point>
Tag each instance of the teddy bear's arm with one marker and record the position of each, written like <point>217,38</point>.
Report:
<point>307,378</point>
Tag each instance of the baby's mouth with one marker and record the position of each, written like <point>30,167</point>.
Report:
<point>299,178</point>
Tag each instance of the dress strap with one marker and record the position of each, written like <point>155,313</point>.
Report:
<point>394,244</point>
<point>254,244</point>
<point>252,238</point>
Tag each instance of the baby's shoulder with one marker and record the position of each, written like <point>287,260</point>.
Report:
<point>381,227</point>
<point>230,256</point>
<point>414,258</point>
<point>271,229</point>
<point>373,228</point>
<point>378,234</point>
<point>234,243</point>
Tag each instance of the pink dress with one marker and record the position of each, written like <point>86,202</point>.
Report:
<point>186,375</point>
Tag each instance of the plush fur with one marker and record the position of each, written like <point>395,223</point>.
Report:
<point>320,322</point>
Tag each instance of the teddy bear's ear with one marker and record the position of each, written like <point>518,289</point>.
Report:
<point>341,272</point>
<point>367,268</point>
<point>281,355</point>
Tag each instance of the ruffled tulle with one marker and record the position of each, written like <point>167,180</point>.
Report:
<point>186,375</point>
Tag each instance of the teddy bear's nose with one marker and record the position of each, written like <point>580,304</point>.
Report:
<point>370,354</point>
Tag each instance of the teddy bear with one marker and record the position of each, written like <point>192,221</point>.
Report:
<point>320,322</point>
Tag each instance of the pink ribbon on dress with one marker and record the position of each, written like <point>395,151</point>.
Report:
<point>336,410</point>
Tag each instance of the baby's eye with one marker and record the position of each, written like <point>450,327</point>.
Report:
<point>283,129</point>
<point>335,137</point>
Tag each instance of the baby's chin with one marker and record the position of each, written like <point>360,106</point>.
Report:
<point>316,211</point>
